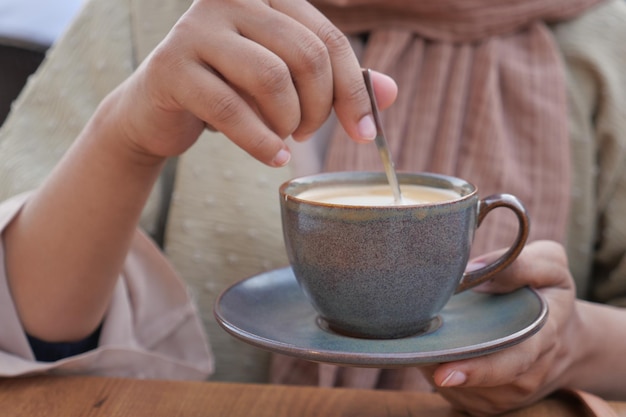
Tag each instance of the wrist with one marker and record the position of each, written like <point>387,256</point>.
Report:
<point>112,123</point>
<point>579,348</point>
<point>598,346</point>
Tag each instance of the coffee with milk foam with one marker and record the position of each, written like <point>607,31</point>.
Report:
<point>377,195</point>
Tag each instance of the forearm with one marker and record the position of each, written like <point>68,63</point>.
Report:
<point>65,250</point>
<point>602,346</point>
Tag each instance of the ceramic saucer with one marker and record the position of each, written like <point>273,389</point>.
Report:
<point>271,312</point>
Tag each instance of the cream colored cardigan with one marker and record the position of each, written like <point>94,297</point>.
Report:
<point>223,221</point>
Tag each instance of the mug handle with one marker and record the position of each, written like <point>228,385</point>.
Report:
<point>471,279</point>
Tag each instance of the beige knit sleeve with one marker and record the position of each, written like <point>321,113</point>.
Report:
<point>91,59</point>
<point>594,49</point>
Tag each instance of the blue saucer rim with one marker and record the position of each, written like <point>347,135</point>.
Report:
<point>372,359</point>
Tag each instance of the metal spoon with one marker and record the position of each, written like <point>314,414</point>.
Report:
<point>381,142</point>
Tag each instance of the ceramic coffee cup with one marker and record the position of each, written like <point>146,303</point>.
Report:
<point>373,269</point>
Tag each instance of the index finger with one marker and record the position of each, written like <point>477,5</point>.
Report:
<point>542,264</point>
<point>350,97</point>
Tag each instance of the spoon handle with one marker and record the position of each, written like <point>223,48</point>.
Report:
<point>381,141</point>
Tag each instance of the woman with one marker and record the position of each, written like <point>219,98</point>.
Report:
<point>517,77</point>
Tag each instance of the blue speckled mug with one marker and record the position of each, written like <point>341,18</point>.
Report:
<point>378,270</point>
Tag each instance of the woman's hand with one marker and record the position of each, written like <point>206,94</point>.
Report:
<point>255,71</point>
<point>258,71</point>
<point>525,373</point>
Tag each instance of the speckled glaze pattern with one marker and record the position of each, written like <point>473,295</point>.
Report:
<point>379,272</point>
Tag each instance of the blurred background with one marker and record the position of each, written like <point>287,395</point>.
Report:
<point>27,30</point>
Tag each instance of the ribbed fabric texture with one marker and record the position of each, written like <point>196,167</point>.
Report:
<point>481,96</point>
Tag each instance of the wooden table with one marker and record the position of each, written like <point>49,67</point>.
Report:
<point>82,396</point>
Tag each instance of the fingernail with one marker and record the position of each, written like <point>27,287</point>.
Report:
<point>302,137</point>
<point>367,128</point>
<point>454,378</point>
<point>281,158</point>
<point>474,266</point>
